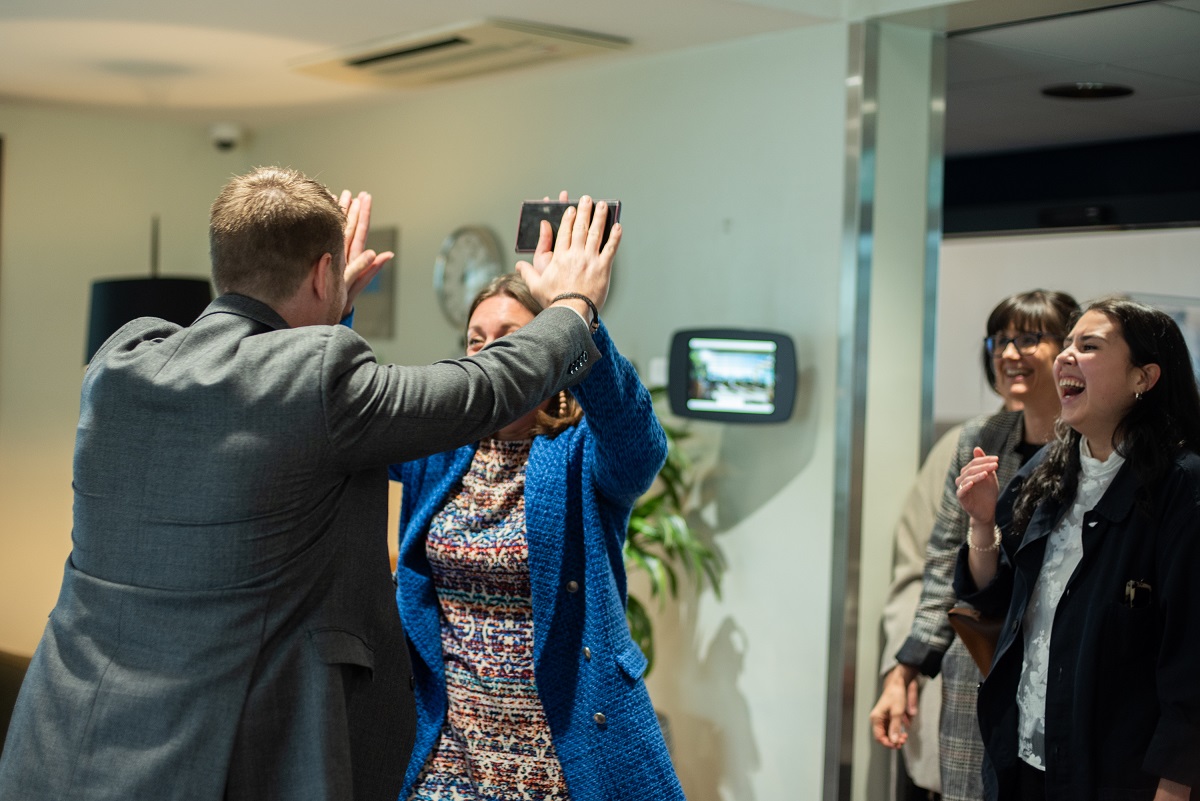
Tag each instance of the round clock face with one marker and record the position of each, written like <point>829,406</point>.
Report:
<point>469,258</point>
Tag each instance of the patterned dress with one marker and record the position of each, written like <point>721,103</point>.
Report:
<point>495,743</point>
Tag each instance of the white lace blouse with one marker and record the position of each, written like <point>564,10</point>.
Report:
<point>1064,549</point>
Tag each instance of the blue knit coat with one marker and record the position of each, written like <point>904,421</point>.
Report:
<point>580,487</point>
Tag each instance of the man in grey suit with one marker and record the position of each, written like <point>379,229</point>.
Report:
<point>226,626</point>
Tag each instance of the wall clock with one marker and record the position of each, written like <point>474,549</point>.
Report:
<point>469,258</point>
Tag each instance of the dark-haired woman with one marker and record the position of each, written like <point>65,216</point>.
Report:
<point>511,587</point>
<point>1022,337</point>
<point>1093,555</point>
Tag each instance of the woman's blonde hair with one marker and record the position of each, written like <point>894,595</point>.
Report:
<point>564,413</point>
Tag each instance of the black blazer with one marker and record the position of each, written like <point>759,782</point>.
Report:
<point>1123,694</point>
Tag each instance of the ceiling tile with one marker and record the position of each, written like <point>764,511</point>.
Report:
<point>1119,35</point>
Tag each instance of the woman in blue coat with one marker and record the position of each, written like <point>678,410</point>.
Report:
<point>511,586</point>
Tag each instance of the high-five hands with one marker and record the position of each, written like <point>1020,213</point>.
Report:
<point>544,250</point>
<point>361,264</point>
<point>577,263</point>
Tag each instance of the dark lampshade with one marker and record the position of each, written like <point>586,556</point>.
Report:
<point>119,300</point>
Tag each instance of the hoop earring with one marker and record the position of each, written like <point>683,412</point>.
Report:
<point>1137,396</point>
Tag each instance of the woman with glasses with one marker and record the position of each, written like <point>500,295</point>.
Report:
<point>1023,336</point>
<point>1093,553</point>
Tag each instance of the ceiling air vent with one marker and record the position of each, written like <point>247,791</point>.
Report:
<point>462,51</point>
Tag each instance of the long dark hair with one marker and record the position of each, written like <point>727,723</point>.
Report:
<point>1161,424</point>
<point>1037,310</point>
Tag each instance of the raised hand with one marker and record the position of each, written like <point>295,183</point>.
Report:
<point>978,488</point>
<point>545,250</point>
<point>362,264</point>
<point>577,263</point>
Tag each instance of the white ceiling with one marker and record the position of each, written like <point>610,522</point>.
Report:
<point>233,59</point>
<point>995,77</point>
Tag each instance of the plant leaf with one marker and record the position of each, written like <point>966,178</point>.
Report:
<point>660,541</point>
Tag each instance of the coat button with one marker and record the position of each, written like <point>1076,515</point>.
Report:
<point>587,653</point>
<point>572,586</point>
<point>599,718</point>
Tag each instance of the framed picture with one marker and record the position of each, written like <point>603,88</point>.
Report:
<point>375,307</point>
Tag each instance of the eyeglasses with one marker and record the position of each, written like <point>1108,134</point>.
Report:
<point>1025,343</point>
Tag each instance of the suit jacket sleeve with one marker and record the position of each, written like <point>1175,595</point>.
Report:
<point>911,540</point>
<point>931,633</point>
<point>378,414</point>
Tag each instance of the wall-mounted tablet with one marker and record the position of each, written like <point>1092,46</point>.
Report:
<point>732,375</point>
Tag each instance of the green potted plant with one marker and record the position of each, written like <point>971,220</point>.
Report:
<point>661,543</point>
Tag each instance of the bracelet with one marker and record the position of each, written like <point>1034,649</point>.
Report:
<point>592,306</point>
<point>995,546</point>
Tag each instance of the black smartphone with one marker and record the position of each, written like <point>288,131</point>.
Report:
<point>534,211</point>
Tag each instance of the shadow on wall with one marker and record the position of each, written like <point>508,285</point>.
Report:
<point>757,461</point>
<point>717,746</point>
<point>740,468</point>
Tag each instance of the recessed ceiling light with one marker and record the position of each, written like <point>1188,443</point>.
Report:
<point>1087,90</point>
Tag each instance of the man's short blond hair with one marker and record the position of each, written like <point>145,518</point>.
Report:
<point>267,229</point>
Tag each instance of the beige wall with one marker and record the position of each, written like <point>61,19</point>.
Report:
<point>79,194</point>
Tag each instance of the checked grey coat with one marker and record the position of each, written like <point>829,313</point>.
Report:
<point>226,627</point>
<point>931,646</point>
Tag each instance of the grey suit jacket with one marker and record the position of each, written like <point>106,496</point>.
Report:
<point>226,626</point>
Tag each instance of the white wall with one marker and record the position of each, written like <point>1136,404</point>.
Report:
<point>976,273</point>
<point>728,160</point>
